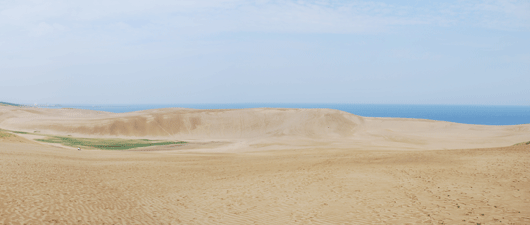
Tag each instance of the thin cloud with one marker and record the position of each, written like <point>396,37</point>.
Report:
<point>208,16</point>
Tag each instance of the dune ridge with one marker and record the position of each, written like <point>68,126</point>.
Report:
<point>264,125</point>
<point>279,166</point>
<point>189,122</point>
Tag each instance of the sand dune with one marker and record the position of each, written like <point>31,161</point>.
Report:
<point>263,127</point>
<point>278,166</point>
<point>48,185</point>
<point>246,123</point>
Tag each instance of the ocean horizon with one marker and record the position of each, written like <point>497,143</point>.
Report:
<point>467,114</point>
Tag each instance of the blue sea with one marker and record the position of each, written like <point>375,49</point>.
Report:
<point>468,114</point>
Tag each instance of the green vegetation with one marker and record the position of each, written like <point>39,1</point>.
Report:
<point>5,135</point>
<point>106,144</point>
<point>523,143</point>
<point>99,143</point>
<point>11,104</point>
<point>13,131</point>
<point>19,132</point>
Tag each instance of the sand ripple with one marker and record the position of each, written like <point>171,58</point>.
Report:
<point>48,185</point>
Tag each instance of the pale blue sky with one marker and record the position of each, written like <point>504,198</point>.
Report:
<point>233,51</point>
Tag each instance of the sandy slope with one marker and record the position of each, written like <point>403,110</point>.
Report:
<point>333,168</point>
<point>265,129</point>
<point>44,184</point>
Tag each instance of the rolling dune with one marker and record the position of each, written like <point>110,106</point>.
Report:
<point>246,123</point>
<point>262,127</point>
<point>278,166</point>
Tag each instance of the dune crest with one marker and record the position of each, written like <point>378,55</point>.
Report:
<point>244,123</point>
<point>264,126</point>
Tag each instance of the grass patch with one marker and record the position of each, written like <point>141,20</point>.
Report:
<point>12,131</point>
<point>5,135</point>
<point>19,132</point>
<point>523,143</point>
<point>106,144</point>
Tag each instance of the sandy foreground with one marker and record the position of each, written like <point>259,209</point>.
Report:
<point>263,166</point>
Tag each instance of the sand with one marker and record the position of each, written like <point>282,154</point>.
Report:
<point>263,166</point>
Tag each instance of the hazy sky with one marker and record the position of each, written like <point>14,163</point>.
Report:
<point>233,51</point>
